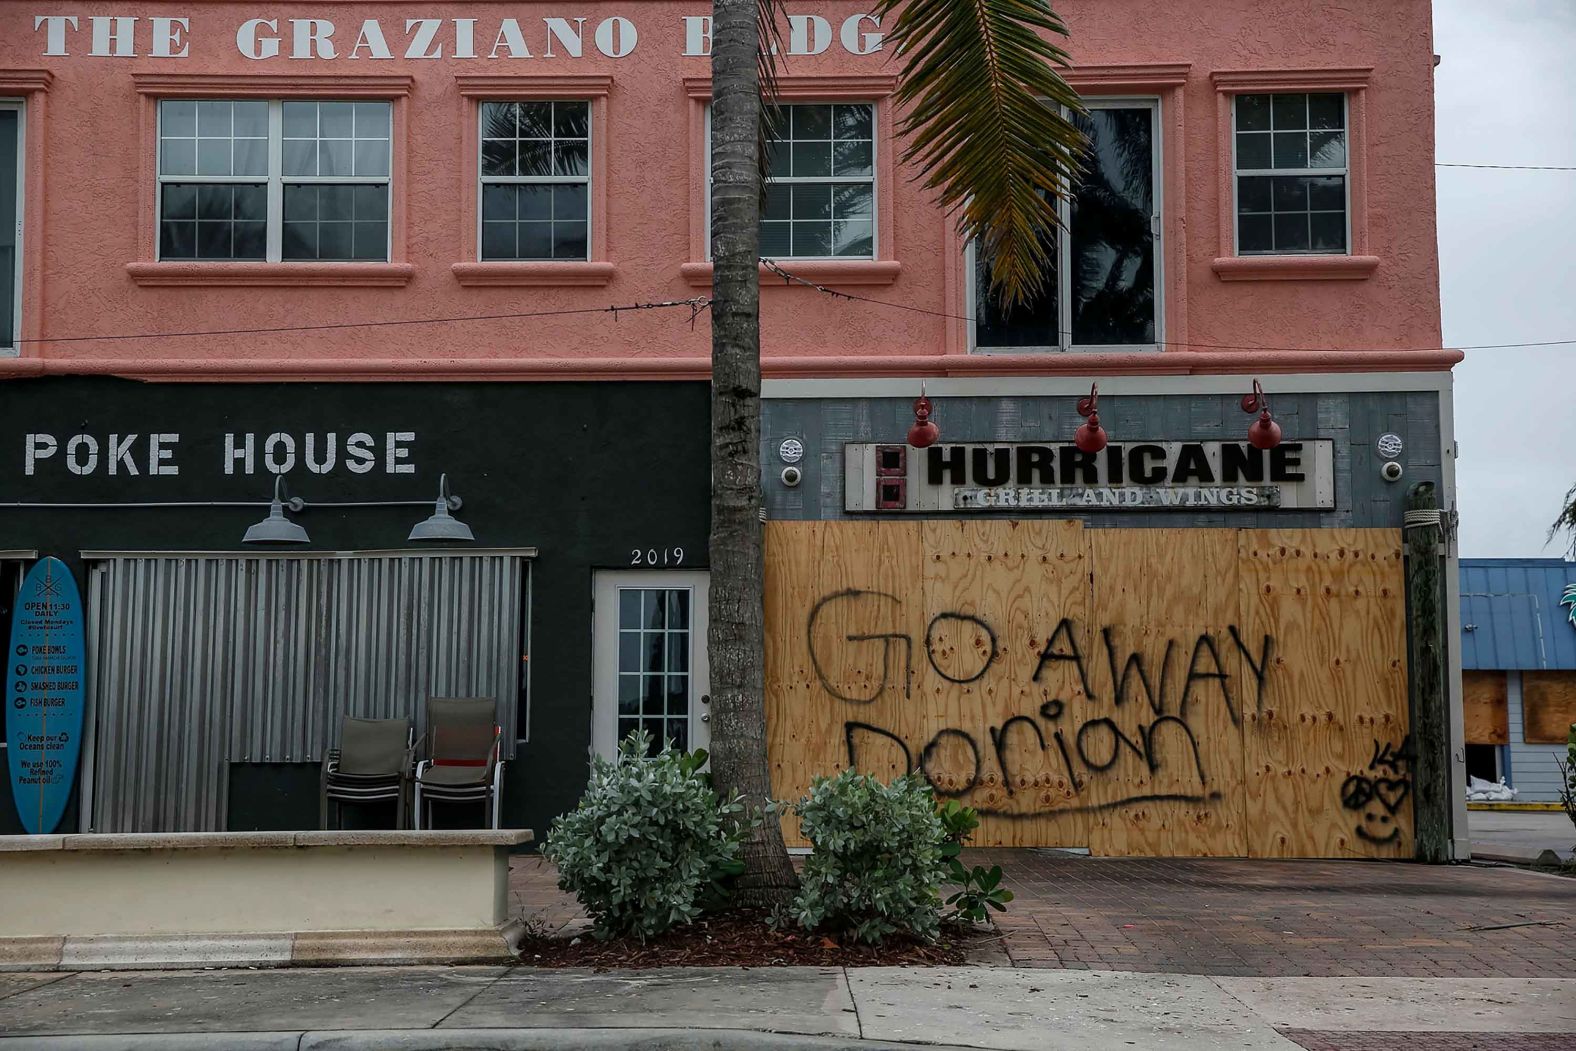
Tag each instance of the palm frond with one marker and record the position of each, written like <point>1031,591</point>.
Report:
<point>986,122</point>
<point>1566,523</point>
<point>768,20</point>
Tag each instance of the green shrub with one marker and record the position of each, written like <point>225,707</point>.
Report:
<point>651,845</point>
<point>979,888</point>
<point>1568,775</point>
<point>878,860</point>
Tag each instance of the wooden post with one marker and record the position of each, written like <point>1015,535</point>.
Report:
<point>1428,697</point>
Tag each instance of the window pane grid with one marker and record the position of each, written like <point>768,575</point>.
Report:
<point>335,140</point>
<point>335,222</point>
<point>821,190</point>
<point>654,664</point>
<point>535,169</point>
<point>1100,287</point>
<point>213,139</point>
<point>213,221</point>
<point>1291,174</point>
<point>268,180</point>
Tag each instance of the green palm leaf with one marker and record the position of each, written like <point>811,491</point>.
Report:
<point>987,126</point>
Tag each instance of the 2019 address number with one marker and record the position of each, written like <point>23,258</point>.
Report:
<point>656,556</point>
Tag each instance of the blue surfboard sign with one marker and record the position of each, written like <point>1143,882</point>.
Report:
<point>44,694</point>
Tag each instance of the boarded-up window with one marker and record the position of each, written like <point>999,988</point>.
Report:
<point>1485,707</point>
<point>1548,701</point>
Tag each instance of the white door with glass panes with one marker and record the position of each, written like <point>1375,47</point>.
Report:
<point>649,658</point>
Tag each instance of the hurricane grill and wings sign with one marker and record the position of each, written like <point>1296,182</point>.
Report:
<point>1031,477</point>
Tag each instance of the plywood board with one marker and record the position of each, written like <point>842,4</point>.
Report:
<point>1326,746</point>
<point>1170,685</point>
<point>986,723</point>
<point>841,609</point>
<point>1548,706</point>
<point>1157,691</point>
<point>1485,707</point>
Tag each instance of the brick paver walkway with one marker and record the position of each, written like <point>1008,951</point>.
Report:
<point>1238,917</point>
<point>1373,1041</point>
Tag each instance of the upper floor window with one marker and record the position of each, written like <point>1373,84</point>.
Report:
<point>820,193</point>
<point>1291,174</point>
<point>535,180</point>
<point>1101,291</point>
<point>10,225</point>
<point>277,181</point>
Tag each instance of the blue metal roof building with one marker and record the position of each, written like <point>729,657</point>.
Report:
<point>1516,614</point>
<point>1518,617</point>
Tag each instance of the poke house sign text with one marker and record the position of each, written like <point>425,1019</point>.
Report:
<point>388,39</point>
<point>1160,475</point>
<point>238,453</point>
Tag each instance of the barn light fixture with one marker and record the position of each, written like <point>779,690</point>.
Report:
<point>924,433</point>
<point>1090,437</point>
<point>442,525</point>
<point>276,528</point>
<point>1265,433</point>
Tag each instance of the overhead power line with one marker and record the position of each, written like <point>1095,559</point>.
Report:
<point>696,305</point>
<point>839,294</point>
<point>1512,167</point>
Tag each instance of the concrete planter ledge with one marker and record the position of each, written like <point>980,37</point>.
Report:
<point>121,841</point>
<point>208,899</point>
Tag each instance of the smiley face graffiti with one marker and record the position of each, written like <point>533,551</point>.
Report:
<point>1378,794</point>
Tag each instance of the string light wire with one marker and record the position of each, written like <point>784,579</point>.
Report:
<point>696,305</point>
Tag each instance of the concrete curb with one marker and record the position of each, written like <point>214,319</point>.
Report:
<point>465,1040</point>
<point>1518,855</point>
<point>154,952</point>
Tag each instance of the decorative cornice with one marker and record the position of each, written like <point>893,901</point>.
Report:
<point>478,85</point>
<point>545,274</point>
<point>270,85</point>
<point>340,275</point>
<point>434,369</point>
<point>1296,267</point>
<point>820,271</point>
<point>1145,76</point>
<point>1238,81</point>
<point>812,87</point>
<point>25,81</point>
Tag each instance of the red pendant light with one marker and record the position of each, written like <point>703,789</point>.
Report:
<point>1090,437</point>
<point>1265,433</point>
<point>924,433</point>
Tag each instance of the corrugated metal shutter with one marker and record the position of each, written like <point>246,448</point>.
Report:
<point>200,661</point>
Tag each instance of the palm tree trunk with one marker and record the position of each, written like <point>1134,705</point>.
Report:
<point>736,638</point>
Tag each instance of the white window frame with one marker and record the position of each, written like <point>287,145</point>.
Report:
<point>875,182</point>
<point>1345,172</point>
<point>1064,305</point>
<point>275,180</point>
<point>19,107</point>
<point>538,180</point>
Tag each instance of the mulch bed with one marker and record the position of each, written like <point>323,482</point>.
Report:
<point>740,938</point>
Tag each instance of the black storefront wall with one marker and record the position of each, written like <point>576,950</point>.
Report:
<point>586,473</point>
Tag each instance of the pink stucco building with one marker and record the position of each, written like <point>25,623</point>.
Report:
<point>91,84</point>
<point>359,245</point>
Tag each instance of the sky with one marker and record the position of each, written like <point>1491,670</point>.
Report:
<point>1506,94</point>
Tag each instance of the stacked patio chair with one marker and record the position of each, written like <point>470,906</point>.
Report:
<point>462,764</point>
<point>371,764</point>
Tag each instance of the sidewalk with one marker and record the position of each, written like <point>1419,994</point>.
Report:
<point>1243,917</point>
<point>1520,836</point>
<point>991,1008</point>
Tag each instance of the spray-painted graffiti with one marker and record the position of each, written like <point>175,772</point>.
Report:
<point>1082,745</point>
<point>1376,795</point>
